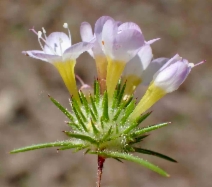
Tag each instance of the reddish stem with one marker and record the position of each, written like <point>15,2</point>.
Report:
<point>101,161</point>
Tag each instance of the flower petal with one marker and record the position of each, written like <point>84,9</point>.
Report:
<point>171,77</point>
<point>109,33</point>
<point>87,34</point>
<point>123,46</point>
<point>129,25</point>
<point>139,63</point>
<point>145,55</point>
<point>76,50</point>
<point>153,67</point>
<point>152,41</point>
<point>171,61</point>
<point>57,43</point>
<point>99,27</point>
<point>42,56</point>
<point>133,67</point>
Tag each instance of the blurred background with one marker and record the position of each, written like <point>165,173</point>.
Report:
<point>28,117</point>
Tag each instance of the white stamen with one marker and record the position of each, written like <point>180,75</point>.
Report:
<point>44,32</point>
<point>39,34</point>
<point>191,65</point>
<point>65,25</point>
<point>39,38</point>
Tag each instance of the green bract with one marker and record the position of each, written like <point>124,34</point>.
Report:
<point>104,128</point>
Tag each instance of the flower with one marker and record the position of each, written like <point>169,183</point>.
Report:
<point>116,44</point>
<point>166,80</point>
<point>96,52</point>
<point>59,51</point>
<point>134,72</point>
<point>102,120</point>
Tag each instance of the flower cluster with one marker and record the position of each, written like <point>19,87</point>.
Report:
<point>105,118</point>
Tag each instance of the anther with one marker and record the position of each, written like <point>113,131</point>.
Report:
<point>39,38</point>
<point>44,32</point>
<point>39,34</point>
<point>65,25</point>
<point>191,65</point>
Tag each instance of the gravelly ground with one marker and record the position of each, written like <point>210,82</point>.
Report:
<point>28,117</point>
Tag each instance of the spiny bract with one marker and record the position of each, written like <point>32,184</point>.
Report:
<point>104,128</point>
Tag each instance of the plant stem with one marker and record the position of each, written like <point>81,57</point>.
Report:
<point>101,161</point>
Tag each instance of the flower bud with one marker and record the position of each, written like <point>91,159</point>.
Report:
<point>167,79</point>
<point>172,74</point>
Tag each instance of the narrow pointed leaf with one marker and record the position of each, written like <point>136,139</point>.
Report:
<point>84,102</point>
<point>93,105</point>
<point>118,87</point>
<point>136,160</point>
<point>128,101</point>
<point>64,110</point>
<point>80,148</point>
<point>70,147</point>
<point>95,130</point>
<point>81,136</point>
<point>120,109</point>
<point>74,126</point>
<point>143,117</point>
<point>148,129</point>
<point>120,96</point>
<point>138,139</point>
<point>94,117</point>
<point>87,151</point>
<point>149,152</point>
<point>137,122</point>
<point>44,145</point>
<point>116,93</point>
<point>97,91</point>
<point>79,119</point>
<point>78,110</point>
<point>105,107</point>
<point>128,111</point>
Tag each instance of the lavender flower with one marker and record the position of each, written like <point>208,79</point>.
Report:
<point>105,118</point>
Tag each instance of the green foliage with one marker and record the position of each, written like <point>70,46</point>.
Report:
<point>141,131</point>
<point>97,92</point>
<point>47,145</point>
<point>105,115</point>
<point>149,152</point>
<point>137,122</point>
<point>104,128</point>
<point>63,110</point>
